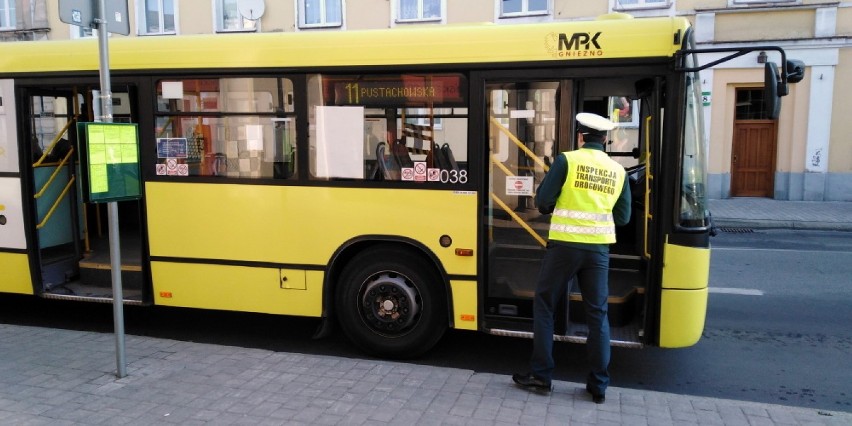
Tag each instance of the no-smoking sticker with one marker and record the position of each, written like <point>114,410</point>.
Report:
<point>171,166</point>
<point>420,171</point>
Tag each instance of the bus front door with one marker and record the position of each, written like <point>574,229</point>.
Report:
<point>529,123</point>
<point>523,129</point>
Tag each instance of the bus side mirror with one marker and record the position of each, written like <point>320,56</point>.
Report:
<point>771,95</point>
<point>795,70</point>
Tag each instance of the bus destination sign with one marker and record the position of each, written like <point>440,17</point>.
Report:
<point>394,92</point>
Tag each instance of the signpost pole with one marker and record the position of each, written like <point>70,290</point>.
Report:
<point>112,206</point>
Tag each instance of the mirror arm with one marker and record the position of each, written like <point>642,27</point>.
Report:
<point>736,52</point>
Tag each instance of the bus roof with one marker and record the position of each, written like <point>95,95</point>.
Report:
<point>421,45</point>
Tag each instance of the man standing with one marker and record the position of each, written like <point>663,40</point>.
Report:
<point>588,194</point>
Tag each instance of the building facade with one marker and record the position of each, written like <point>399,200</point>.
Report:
<point>806,154</point>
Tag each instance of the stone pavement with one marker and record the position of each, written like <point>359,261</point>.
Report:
<point>66,377</point>
<point>768,213</point>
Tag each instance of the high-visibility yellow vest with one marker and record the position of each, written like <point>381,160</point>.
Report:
<point>583,212</point>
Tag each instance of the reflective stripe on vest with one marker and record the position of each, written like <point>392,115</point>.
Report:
<point>576,214</point>
<point>583,211</point>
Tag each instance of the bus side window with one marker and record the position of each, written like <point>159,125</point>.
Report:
<point>396,125</point>
<point>240,127</point>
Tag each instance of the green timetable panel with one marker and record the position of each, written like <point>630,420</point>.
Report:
<point>111,166</point>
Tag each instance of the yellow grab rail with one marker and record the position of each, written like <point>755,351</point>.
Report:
<point>55,172</point>
<point>56,203</point>
<point>518,219</point>
<point>55,141</point>
<point>648,177</point>
<point>520,144</point>
<point>508,209</point>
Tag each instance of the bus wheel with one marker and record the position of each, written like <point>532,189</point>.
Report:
<point>390,303</point>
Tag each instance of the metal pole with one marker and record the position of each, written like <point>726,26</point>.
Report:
<point>112,206</point>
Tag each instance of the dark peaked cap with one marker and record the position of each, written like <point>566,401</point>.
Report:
<point>593,124</point>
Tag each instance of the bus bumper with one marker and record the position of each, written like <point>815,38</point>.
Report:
<point>683,298</point>
<point>682,314</point>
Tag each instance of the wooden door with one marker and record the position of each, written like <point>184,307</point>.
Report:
<point>753,158</point>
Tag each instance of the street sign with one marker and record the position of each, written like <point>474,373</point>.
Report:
<point>77,12</point>
<point>83,12</point>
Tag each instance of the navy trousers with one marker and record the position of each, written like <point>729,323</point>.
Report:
<point>561,264</point>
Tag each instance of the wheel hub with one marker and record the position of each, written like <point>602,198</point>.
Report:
<point>389,303</point>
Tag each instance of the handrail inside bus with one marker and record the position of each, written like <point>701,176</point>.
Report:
<point>59,167</point>
<point>56,203</point>
<point>520,144</point>
<point>55,141</point>
<point>648,177</point>
<point>509,210</point>
<point>518,219</point>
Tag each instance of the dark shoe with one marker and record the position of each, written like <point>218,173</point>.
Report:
<point>532,382</point>
<point>596,398</point>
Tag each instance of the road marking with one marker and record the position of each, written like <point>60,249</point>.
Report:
<point>740,291</point>
<point>780,250</point>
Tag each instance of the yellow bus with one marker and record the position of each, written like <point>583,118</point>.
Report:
<point>381,180</point>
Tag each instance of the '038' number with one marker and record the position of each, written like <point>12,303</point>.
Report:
<point>453,176</point>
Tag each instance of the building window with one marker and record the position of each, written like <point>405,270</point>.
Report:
<point>228,17</point>
<point>750,105</point>
<point>419,10</point>
<point>7,14</point>
<point>523,7</point>
<point>157,17</point>
<point>320,13</point>
<point>641,4</point>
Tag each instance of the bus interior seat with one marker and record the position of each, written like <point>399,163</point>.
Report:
<point>388,168</point>
<point>448,154</point>
<point>400,153</point>
<point>439,158</point>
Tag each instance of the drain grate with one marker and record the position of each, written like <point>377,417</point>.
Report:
<point>736,230</point>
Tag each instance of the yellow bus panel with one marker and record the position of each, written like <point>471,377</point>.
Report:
<point>464,304</point>
<point>682,314</point>
<point>557,41</point>
<point>235,288</point>
<point>296,225</point>
<point>16,274</point>
<point>685,267</point>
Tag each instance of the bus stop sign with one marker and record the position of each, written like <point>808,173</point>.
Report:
<point>82,13</point>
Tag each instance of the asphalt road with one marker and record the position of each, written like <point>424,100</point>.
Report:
<point>778,328</point>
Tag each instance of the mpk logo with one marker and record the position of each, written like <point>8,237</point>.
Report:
<point>576,45</point>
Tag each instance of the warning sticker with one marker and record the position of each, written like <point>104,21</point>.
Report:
<point>433,175</point>
<point>519,185</point>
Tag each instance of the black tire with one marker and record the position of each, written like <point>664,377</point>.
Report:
<point>391,303</point>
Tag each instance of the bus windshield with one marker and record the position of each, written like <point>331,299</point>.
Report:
<point>693,199</point>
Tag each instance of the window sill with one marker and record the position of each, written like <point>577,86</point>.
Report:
<point>319,26</point>
<point>220,31</point>
<point>524,14</point>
